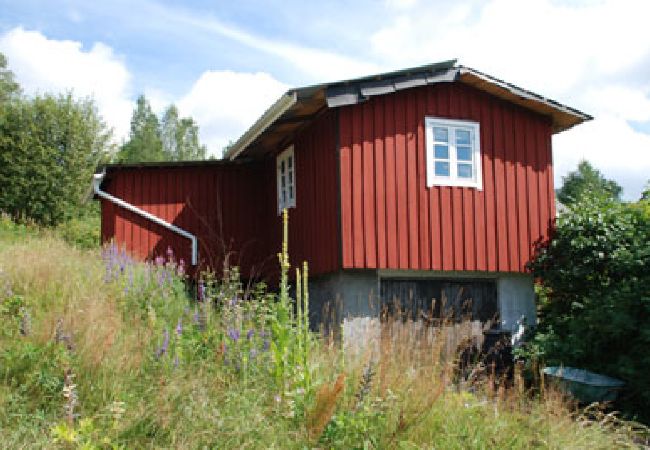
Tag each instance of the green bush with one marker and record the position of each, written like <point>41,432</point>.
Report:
<point>595,313</point>
<point>83,230</point>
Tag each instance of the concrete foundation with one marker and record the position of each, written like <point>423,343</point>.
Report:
<point>341,297</point>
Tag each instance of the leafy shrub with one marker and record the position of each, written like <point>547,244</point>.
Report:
<point>83,229</point>
<point>596,308</point>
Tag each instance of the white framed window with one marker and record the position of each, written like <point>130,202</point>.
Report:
<point>453,149</point>
<point>286,170</point>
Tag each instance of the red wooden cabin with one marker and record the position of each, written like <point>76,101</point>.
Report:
<point>422,183</point>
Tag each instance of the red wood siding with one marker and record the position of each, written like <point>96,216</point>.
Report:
<point>232,208</point>
<point>214,202</point>
<point>314,222</point>
<point>391,219</point>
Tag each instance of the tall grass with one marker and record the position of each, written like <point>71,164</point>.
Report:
<point>117,355</point>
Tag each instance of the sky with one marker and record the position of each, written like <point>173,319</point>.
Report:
<point>225,62</point>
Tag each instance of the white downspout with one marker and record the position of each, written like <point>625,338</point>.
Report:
<point>97,181</point>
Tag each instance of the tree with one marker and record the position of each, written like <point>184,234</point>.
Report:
<point>645,195</point>
<point>8,86</point>
<point>586,180</point>
<point>144,142</point>
<point>180,137</point>
<point>171,139</point>
<point>595,310</point>
<point>49,148</point>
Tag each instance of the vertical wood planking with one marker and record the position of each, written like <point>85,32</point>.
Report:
<point>401,182</point>
<point>345,133</point>
<point>357,191</point>
<point>522,203</point>
<point>369,197</point>
<point>380,182</point>
<point>412,179</point>
<point>433,101</point>
<point>511,189</point>
<point>392,255</point>
<point>449,228</point>
<point>423,193</point>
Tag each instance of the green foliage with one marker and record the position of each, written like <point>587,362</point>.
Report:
<point>83,229</point>
<point>136,389</point>
<point>180,137</point>
<point>596,308</point>
<point>144,142</point>
<point>9,89</point>
<point>587,180</point>
<point>291,337</point>
<point>170,139</point>
<point>49,148</point>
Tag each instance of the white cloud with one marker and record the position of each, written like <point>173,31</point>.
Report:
<point>612,146</point>
<point>586,54</point>
<point>225,103</point>
<point>317,64</point>
<point>49,65</point>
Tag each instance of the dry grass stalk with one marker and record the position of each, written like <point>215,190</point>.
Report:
<point>323,409</point>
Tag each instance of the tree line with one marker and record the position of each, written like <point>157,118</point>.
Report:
<point>50,145</point>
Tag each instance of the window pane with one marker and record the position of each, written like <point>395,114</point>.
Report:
<point>442,169</point>
<point>462,137</point>
<point>283,183</point>
<point>464,153</point>
<point>464,170</point>
<point>282,166</point>
<point>441,151</point>
<point>290,161</point>
<point>440,134</point>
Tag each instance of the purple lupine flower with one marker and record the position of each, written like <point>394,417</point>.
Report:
<point>262,333</point>
<point>165,344</point>
<point>170,253</point>
<point>195,317</point>
<point>179,327</point>
<point>233,334</point>
<point>266,345</point>
<point>250,334</point>
<point>159,261</point>
<point>201,291</point>
<point>234,300</point>
<point>181,268</point>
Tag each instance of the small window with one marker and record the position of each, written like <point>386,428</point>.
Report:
<point>286,169</point>
<point>453,153</point>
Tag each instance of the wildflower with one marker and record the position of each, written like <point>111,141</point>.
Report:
<point>250,334</point>
<point>179,328</point>
<point>181,268</point>
<point>25,322</point>
<point>233,334</point>
<point>159,261</point>
<point>195,317</point>
<point>234,301</point>
<point>266,345</point>
<point>165,344</point>
<point>170,253</point>
<point>252,353</point>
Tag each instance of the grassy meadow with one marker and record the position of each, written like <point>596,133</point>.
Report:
<point>98,351</point>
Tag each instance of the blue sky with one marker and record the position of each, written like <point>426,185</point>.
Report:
<point>225,62</point>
